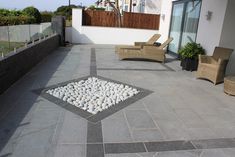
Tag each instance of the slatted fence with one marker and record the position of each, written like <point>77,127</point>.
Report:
<point>140,20</point>
<point>99,18</point>
<point>129,20</point>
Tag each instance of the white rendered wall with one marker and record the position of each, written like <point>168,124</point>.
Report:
<point>209,31</point>
<point>228,35</point>
<point>153,6</point>
<point>68,34</point>
<point>165,19</point>
<point>105,35</point>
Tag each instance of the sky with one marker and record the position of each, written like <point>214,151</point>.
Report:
<point>42,5</point>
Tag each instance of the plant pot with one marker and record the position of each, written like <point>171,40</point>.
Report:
<point>189,64</point>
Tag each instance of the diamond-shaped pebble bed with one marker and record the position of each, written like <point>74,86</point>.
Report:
<point>93,95</point>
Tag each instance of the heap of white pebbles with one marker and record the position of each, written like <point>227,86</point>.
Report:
<point>93,95</point>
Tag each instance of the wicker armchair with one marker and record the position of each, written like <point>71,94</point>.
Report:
<point>150,42</point>
<point>213,67</point>
<point>147,52</point>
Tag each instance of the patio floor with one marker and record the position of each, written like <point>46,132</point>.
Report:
<point>181,117</point>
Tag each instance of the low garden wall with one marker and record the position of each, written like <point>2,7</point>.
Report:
<point>104,35</point>
<point>18,64</point>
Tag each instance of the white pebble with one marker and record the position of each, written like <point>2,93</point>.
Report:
<point>93,95</point>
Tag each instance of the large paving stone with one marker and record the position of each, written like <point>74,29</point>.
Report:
<point>115,128</point>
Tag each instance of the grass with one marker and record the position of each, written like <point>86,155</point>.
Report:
<point>4,46</point>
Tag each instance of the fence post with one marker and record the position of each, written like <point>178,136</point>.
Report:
<point>58,25</point>
<point>29,33</point>
<point>8,36</point>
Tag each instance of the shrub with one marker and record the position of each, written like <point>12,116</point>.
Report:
<point>16,20</point>
<point>65,10</point>
<point>191,50</point>
<point>46,16</point>
<point>5,12</point>
<point>31,11</point>
<point>92,7</point>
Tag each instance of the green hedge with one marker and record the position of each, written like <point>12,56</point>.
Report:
<point>16,20</point>
<point>33,12</point>
<point>5,12</point>
<point>46,16</point>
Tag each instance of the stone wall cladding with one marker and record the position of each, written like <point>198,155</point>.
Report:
<point>16,65</point>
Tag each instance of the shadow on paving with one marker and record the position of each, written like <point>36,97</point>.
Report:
<point>14,112</point>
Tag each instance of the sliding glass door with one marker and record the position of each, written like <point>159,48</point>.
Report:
<point>184,23</point>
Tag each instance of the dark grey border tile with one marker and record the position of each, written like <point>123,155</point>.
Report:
<point>93,69</point>
<point>125,69</point>
<point>168,146</point>
<point>214,143</point>
<point>66,105</point>
<point>94,133</point>
<point>112,148</point>
<point>95,150</point>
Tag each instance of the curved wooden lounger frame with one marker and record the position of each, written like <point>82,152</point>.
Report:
<point>150,42</point>
<point>147,52</point>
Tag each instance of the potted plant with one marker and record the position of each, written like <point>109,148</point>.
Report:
<point>189,56</point>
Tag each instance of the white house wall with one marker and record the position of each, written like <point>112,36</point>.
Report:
<point>209,31</point>
<point>228,34</point>
<point>165,19</point>
<point>153,6</point>
<point>105,35</point>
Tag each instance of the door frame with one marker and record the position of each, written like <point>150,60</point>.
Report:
<point>182,22</point>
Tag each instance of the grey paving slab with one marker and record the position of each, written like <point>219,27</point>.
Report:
<point>7,148</point>
<point>168,146</point>
<point>122,155</point>
<point>112,148</point>
<point>191,119</point>
<point>229,151</point>
<point>139,105</point>
<point>43,104</point>
<point>138,119</point>
<point>115,129</point>
<point>213,153</point>
<point>147,135</point>
<point>73,130</point>
<point>157,104</point>
<point>96,150</point>
<point>42,119</point>
<point>214,143</point>
<point>189,153</point>
<point>12,128</point>
<point>148,154</point>
<point>131,155</point>
<point>201,133</point>
<point>36,143</point>
<point>218,122</point>
<point>172,129</point>
<point>70,150</point>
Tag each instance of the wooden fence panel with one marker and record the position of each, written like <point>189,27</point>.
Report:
<point>99,18</point>
<point>129,20</point>
<point>140,20</point>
